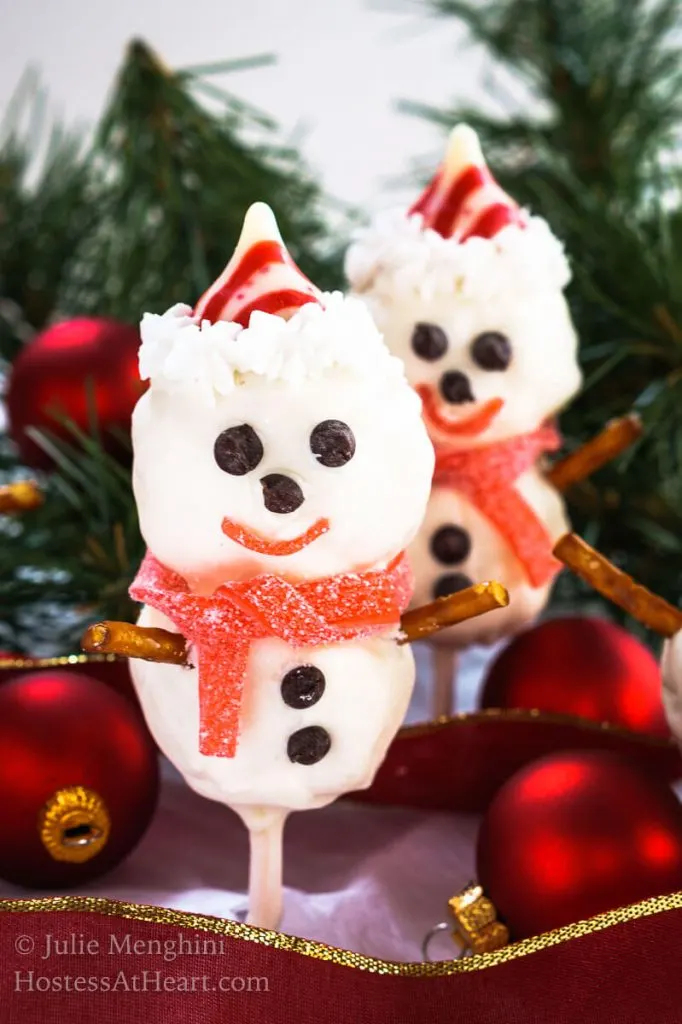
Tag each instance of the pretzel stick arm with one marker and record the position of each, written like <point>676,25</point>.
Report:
<point>616,437</point>
<point>649,609</point>
<point>163,646</point>
<point>420,623</point>
<point>147,643</point>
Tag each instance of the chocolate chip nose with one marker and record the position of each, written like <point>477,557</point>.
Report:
<point>456,388</point>
<point>281,493</point>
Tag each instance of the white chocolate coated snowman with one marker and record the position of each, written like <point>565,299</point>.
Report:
<point>468,290</point>
<point>281,467</point>
<point>671,670</point>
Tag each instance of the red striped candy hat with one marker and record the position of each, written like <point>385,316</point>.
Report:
<point>260,277</point>
<point>463,200</point>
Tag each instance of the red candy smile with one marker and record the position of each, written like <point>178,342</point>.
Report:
<point>265,546</point>
<point>468,426</point>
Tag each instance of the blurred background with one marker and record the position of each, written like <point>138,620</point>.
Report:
<point>339,69</point>
<point>134,137</point>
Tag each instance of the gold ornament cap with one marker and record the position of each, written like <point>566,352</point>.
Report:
<point>74,824</point>
<point>476,926</point>
<point>21,496</point>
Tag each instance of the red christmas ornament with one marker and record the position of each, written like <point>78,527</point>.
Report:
<point>65,369</point>
<point>586,667</point>
<point>575,834</point>
<point>78,779</point>
<point>114,672</point>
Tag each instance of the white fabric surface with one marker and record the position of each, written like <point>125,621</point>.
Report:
<point>372,879</point>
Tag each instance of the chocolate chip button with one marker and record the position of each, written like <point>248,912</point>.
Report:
<point>450,545</point>
<point>451,583</point>
<point>303,686</point>
<point>309,745</point>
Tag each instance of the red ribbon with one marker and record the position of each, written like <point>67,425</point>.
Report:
<point>486,477</point>
<point>223,625</point>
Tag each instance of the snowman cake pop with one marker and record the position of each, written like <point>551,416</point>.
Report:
<point>281,468</point>
<point>467,289</point>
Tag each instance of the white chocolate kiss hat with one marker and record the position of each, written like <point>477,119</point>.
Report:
<point>462,228</point>
<point>463,200</point>
<point>261,276</point>
<point>261,317</point>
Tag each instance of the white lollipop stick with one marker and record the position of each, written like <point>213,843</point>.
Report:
<point>444,661</point>
<point>266,827</point>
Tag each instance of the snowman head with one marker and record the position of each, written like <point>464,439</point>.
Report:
<point>278,435</point>
<point>468,290</point>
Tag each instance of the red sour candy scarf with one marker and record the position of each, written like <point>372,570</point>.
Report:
<point>222,626</point>
<point>486,477</point>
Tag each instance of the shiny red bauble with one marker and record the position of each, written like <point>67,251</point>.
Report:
<point>78,779</point>
<point>586,667</point>
<point>575,834</point>
<point>64,371</point>
<point>114,672</point>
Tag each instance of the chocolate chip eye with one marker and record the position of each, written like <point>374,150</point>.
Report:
<point>332,443</point>
<point>429,341</point>
<point>491,351</point>
<point>238,450</point>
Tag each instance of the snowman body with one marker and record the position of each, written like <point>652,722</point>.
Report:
<point>457,545</point>
<point>354,696</point>
<point>308,462</point>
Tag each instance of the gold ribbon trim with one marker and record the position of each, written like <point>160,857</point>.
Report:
<point>61,661</point>
<point>526,715</point>
<point>332,954</point>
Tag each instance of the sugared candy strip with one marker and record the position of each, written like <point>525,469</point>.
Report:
<point>487,475</point>
<point>165,647</point>
<point>223,625</point>
<point>470,425</point>
<point>254,541</point>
